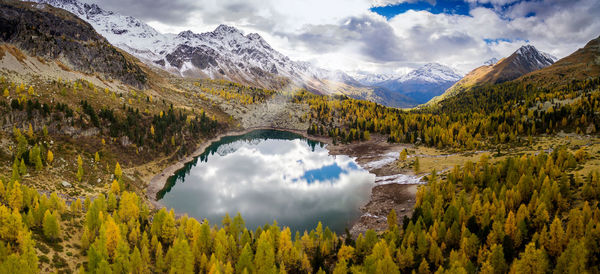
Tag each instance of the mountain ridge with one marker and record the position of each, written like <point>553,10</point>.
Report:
<point>421,84</point>
<point>224,53</point>
<point>40,31</point>
<point>524,60</point>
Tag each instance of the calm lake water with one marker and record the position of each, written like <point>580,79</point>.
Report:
<point>270,175</point>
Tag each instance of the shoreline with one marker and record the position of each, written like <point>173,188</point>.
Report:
<point>158,181</point>
<point>383,198</point>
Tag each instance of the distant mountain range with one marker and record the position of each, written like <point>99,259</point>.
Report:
<point>225,53</point>
<point>228,53</point>
<point>524,60</point>
<point>420,85</point>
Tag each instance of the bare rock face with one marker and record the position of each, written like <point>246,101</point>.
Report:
<point>125,141</point>
<point>52,33</point>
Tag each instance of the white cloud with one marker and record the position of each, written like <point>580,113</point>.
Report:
<point>344,34</point>
<point>265,181</point>
<point>383,3</point>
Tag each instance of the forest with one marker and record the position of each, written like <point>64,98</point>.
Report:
<point>534,213</point>
<point>523,215</point>
<point>507,113</point>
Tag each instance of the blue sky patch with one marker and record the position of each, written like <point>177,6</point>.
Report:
<point>497,40</point>
<point>450,7</point>
<point>324,173</point>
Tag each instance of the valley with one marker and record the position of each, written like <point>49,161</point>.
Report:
<point>116,159</point>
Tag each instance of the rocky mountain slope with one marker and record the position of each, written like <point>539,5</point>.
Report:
<point>47,32</point>
<point>225,53</point>
<point>583,64</point>
<point>524,60</point>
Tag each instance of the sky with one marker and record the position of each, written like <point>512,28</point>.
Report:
<point>384,36</point>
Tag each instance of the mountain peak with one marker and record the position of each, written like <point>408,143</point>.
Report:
<point>492,61</point>
<point>186,34</point>
<point>432,72</point>
<point>254,36</point>
<point>527,58</point>
<point>531,50</point>
<point>225,29</point>
<point>527,49</point>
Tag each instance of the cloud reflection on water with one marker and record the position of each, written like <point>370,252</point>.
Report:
<point>266,180</point>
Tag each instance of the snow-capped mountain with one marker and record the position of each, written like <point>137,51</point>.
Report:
<point>431,73</point>
<point>225,53</point>
<point>524,60</point>
<point>420,84</point>
<point>371,79</point>
<point>529,56</point>
<point>491,61</point>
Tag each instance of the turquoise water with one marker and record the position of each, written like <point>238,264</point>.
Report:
<point>270,175</point>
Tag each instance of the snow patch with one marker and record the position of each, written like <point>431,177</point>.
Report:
<point>387,158</point>
<point>402,179</point>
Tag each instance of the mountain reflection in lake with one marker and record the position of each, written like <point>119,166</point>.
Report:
<point>270,175</point>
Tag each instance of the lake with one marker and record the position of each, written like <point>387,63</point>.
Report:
<point>270,175</point>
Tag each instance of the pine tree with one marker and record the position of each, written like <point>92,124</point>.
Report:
<point>244,262</point>
<point>49,157</point>
<point>556,240</point>
<point>22,168</point>
<point>496,259</point>
<point>403,155</point>
<point>121,261</point>
<point>128,206</point>
<point>51,225</point>
<point>15,197</point>
<point>136,263</point>
<point>532,260</point>
<point>182,261</point>
<point>79,168</point>
<point>159,259</point>
<point>573,259</point>
<point>264,260</point>
<point>424,267</point>
<point>416,165</point>
<point>118,171</point>
<point>113,236</point>
<point>85,238</point>
<point>15,171</point>
<point>30,133</point>
<point>112,201</point>
<point>168,229</point>
<point>114,187</point>
<point>37,158</point>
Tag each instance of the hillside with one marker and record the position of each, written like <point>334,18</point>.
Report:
<point>502,179</point>
<point>524,60</point>
<point>48,32</point>
<point>583,64</point>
